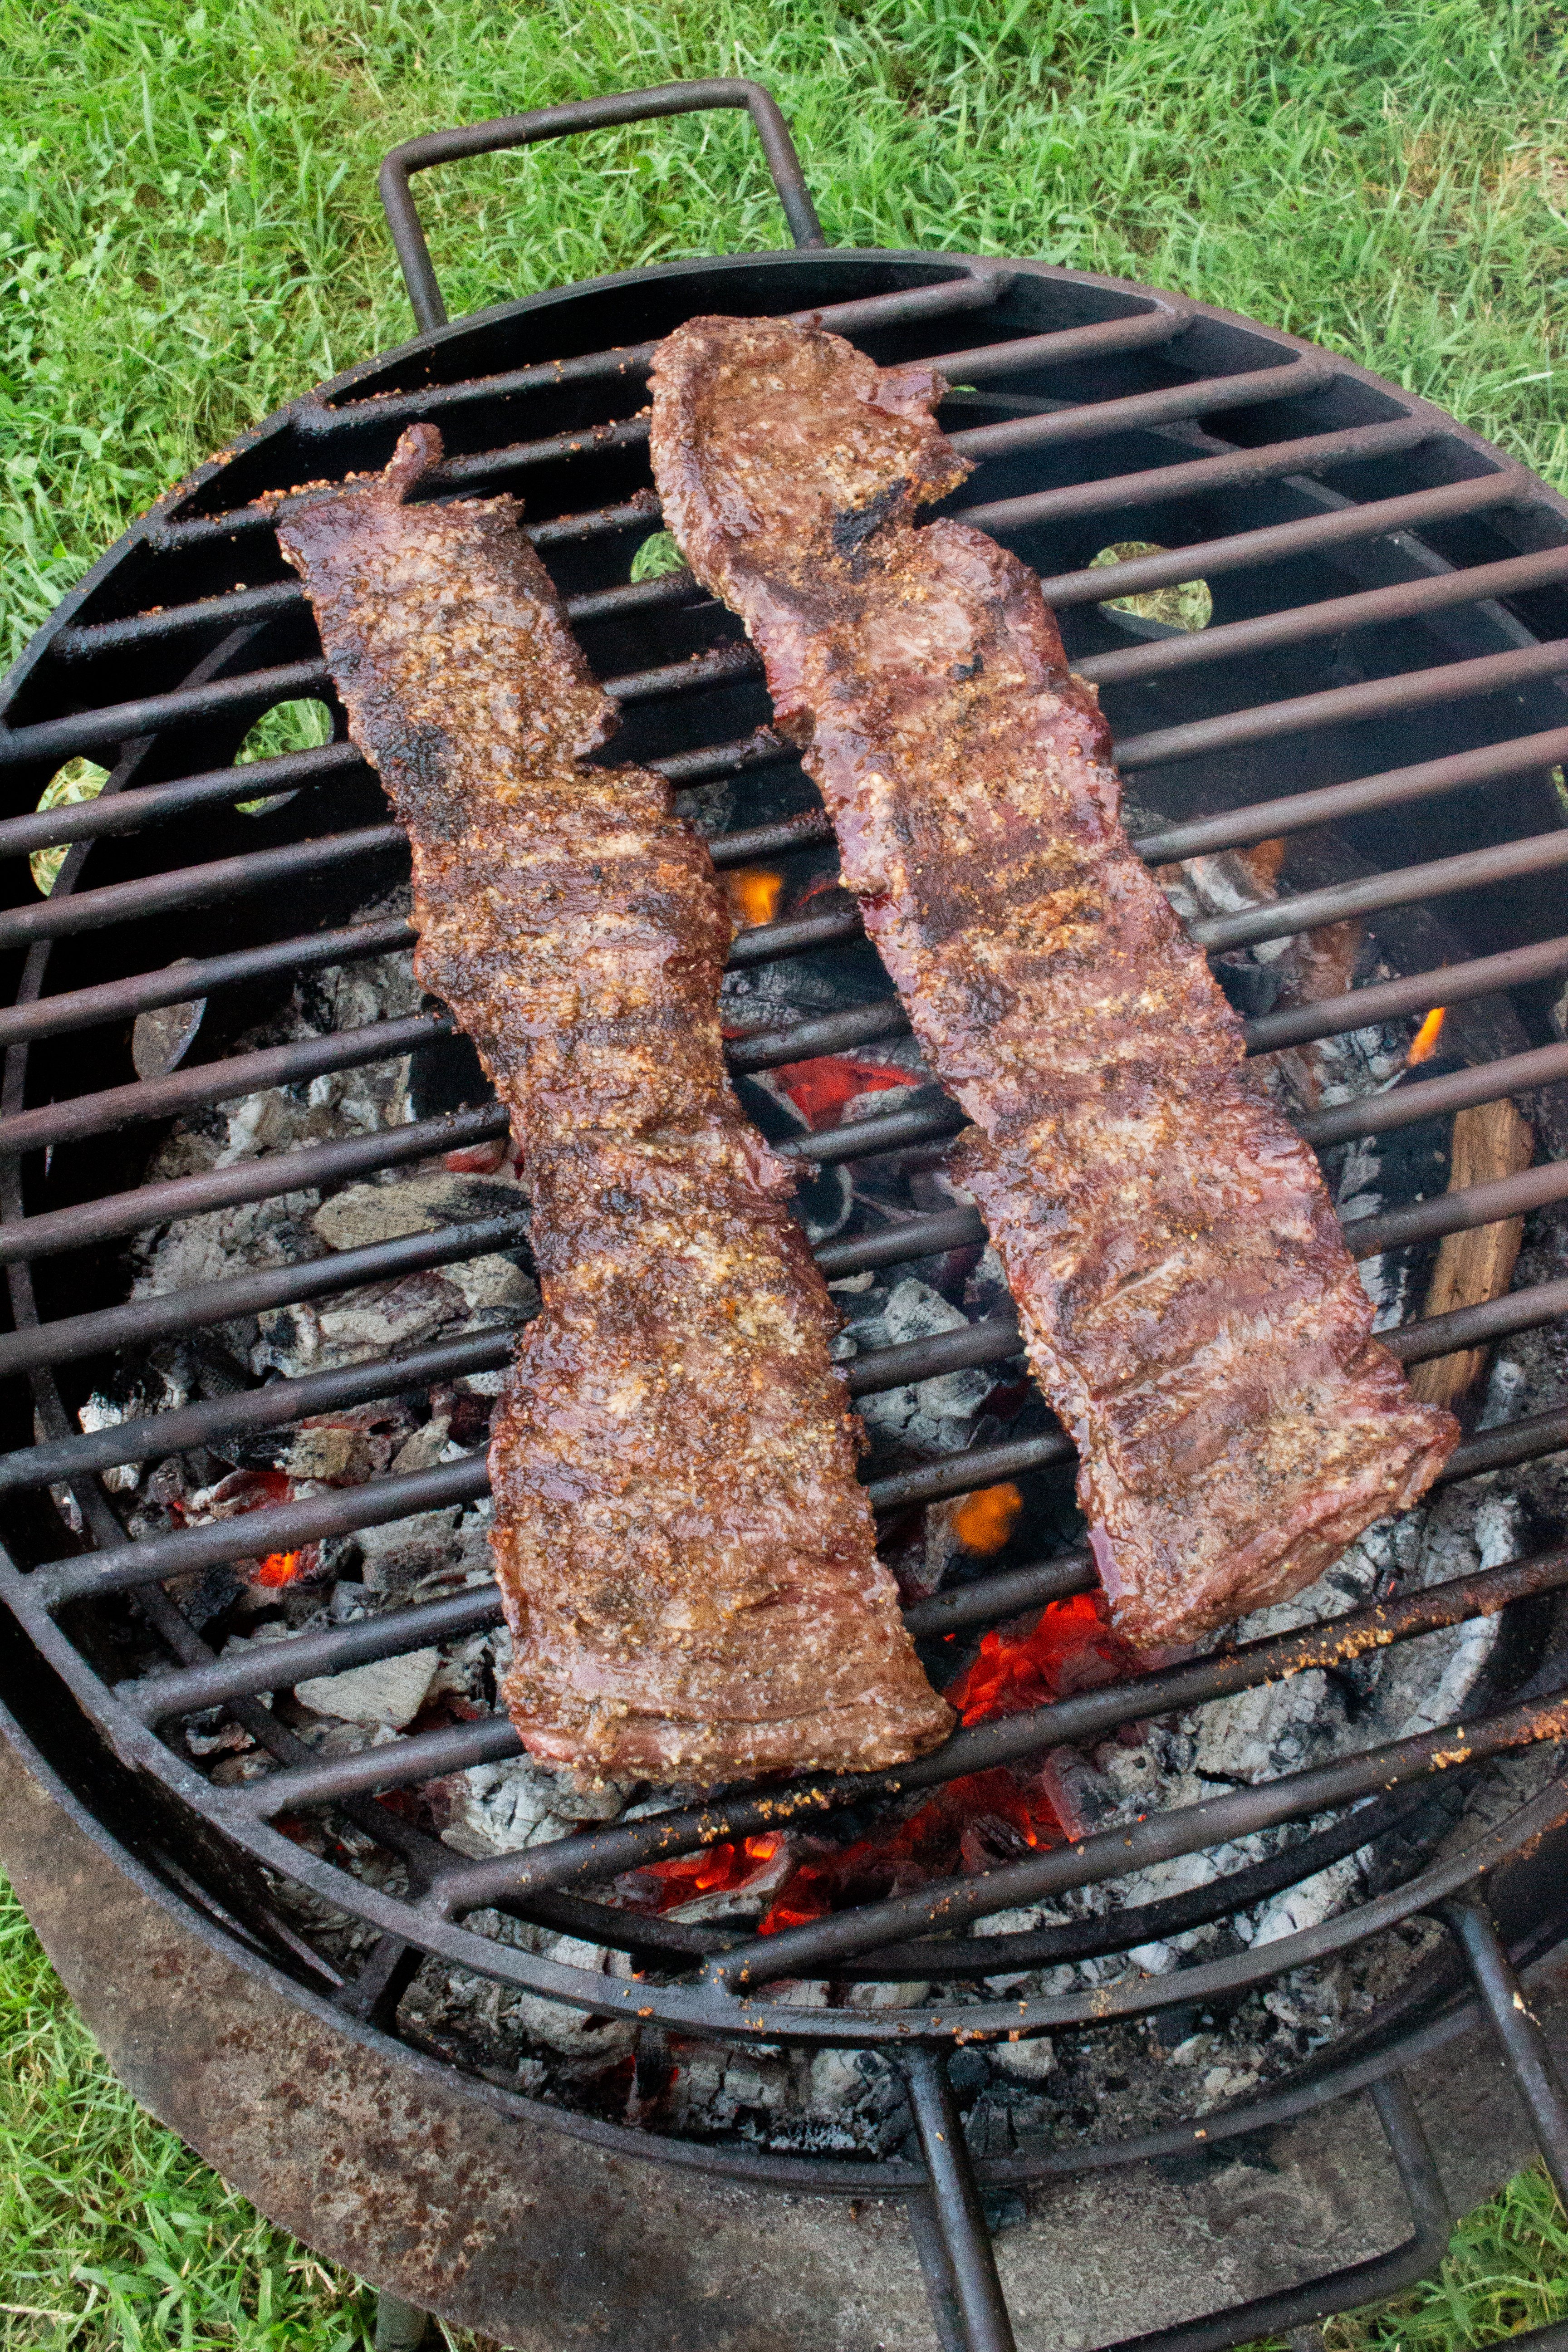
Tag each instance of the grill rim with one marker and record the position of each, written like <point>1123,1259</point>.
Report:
<point>1532,494</point>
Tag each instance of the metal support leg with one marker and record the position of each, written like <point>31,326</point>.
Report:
<point>400,2326</point>
<point>1530,2061</point>
<point>1298,2307</point>
<point>389,1969</point>
<point>955,2204</point>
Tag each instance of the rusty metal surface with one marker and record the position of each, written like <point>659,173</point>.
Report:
<point>422,2185</point>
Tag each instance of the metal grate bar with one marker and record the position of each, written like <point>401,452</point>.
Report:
<point>279,1526</point>
<point>92,638</point>
<point>913,1237</point>
<point>1524,2046</point>
<point>1436,1335</point>
<point>955,2201</point>
<point>1499,1449</point>
<point>592,1855</point>
<point>1245,550</point>
<point>1477,1326</point>
<point>1063,590</point>
<point>829,1032</point>
<point>861,1139</point>
<point>113,999</point>
<point>192,978</point>
<point>193,1689</point>
<point>149,804</point>
<point>1403,1106</point>
<point>1368,608</point>
<point>1442,682</point>
<point>813,1949</point>
<point>1459,1212</point>
<point>258,690</point>
<point>1057,348</point>
<point>273,1406</point>
<point>284,1527</point>
<point>1336,706</point>
<point>1174,403</point>
<point>997,1341</point>
<point>1240,551</point>
<point>83,730</point>
<point>164,1313</point>
<point>1387,1000</point>
<point>74,911</point>
<point>1313,453</point>
<point>1470,871</point>
<point>266,1179</point>
<point>281,1402</point>
<point>1084,421</point>
<point>1262,820</point>
<point>279,1666</point>
<point>210,1082</point>
<point>1146,1923</point>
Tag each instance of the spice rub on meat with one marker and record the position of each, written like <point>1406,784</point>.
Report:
<point>1189,1305</point>
<point>686,1557</point>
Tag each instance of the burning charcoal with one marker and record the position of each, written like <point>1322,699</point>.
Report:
<point>570,2031</point>
<point>1310,1903</point>
<point>389,1316</point>
<point>1250,987</point>
<point>932,1415</point>
<point>498,1808</point>
<point>426,1447</point>
<point>415,1204</point>
<point>1082,1799</point>
<point>388,1691</point>
<point>161,1039</point>
<point>908,1995</point>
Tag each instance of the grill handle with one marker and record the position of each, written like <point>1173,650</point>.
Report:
<point>556,122</point>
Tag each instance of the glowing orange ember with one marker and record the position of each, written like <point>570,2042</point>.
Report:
<point>1423,1044</point>
<point>278,1568</point>
<point>984,1522</point>
<point>718,1870</point>
<point>755,893</point>
<point>820,1090</point>
<point>966,1826</point>
<point>1068,1648</point>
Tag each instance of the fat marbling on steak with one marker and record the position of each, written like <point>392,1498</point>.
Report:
<point>687,1560</point>
<point>1190,1308</point>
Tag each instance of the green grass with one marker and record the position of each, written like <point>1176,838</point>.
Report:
<point>189,235</point>
<point>112,2232</point>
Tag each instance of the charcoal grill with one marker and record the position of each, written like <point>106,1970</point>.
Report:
<point>1387,654</point>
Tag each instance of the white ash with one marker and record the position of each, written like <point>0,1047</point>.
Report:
<point>399,1205</point>
<point>388,1691</point>
<point>935,1414</point>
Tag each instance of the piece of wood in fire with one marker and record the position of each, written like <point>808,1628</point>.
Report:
<point>1490,1141</point>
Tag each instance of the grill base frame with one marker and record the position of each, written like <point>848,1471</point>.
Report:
<point>345,2136</point>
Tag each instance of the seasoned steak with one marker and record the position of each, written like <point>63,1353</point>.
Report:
<point>687,1560</point>
<point>1190,1308</point>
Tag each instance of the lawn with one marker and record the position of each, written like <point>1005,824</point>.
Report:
<point>189,235</point>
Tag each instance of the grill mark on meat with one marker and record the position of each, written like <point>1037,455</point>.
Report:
<point>687,1560</point>
<point>1189,1305</point>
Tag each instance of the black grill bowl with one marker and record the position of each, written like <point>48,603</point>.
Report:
<point>1383,672</point>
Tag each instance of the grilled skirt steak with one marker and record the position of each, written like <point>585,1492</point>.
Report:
<point>1190,1308</point>
<point>687,1560</point>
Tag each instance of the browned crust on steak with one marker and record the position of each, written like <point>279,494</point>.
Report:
<point>1190,1308</point>
<point>687,1560</point>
